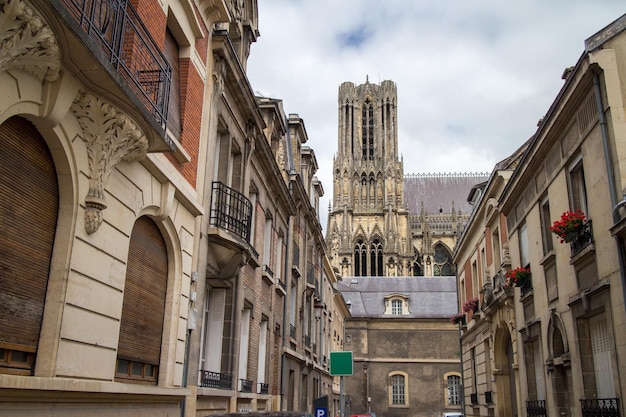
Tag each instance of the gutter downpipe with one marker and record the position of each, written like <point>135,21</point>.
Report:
<point>287,270</point>
<point>611,180</point>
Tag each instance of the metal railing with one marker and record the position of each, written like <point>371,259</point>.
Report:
<point>600,407</point>
<point>246,385</point>
<point>209,379</point>
<point>230,210</point>
<point>264,388</point>
<point>583,239</point>
<point>292,331</point>
<point>527,285</point>
<point>536,408</point>
<point>307,340</point>
<point>121,37</point>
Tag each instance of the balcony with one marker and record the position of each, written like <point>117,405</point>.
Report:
<point>536,408</point>
<point>118,40</point>
<point>292,331</point>
<point>229,230</point>
<point>264,388</point>
<point>600,407</point>
<point>583,239</point>
<point>209,379</point>
<point>230,210</point>
<point>246,385</point>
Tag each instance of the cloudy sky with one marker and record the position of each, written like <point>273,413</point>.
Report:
<point>473,77</point>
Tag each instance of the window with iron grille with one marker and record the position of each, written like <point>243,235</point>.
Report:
<point>397,389</point>
<point>454,390</point>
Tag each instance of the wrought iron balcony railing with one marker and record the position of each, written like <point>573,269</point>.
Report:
<point>536,408</point>
<point>246,385</point>
<point>264,388</point>
<point>307,340</point>
<point>209,379</point>
<point>583,239</point>
<point>527,285</point>
<point>122,39</point>
<point>600,407</point>
<point>292,331</point>
<point>230,210</point>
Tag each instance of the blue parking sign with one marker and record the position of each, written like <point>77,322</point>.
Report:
<point>321,412</point>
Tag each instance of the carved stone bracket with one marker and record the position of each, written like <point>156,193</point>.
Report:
<point>26,41</point>
<point>111,136</point>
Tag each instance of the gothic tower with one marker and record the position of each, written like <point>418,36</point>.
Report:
<point>368,233</point>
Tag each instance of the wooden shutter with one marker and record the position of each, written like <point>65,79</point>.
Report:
<point>143,310</point>
<point>29,202</point>
<point>173,111</point>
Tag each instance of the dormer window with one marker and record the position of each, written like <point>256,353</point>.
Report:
<point>396,305</point>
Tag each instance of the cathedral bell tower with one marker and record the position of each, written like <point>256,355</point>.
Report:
<point>368,233</point>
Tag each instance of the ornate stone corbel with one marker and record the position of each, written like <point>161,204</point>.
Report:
<point>111,136</point>
<point>26,41</point>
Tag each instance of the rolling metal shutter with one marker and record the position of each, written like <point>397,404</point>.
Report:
<point>143,309</point>
<point>29,201</point>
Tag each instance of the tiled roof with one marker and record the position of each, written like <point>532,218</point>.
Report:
<point>438,191</point>
<point>429,297</point>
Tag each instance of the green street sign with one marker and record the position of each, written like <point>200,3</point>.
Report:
<point>341,364</point>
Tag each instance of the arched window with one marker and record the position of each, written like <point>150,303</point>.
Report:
<point>360,259</point>
<point>367,131</point>
<point>443,261</point>
<point>143,308</point>
<point>398,389</point>
<point>28,219</point>
<point>453,383</point>
<point>376,258</point>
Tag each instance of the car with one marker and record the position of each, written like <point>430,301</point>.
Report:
<point>366,414</point>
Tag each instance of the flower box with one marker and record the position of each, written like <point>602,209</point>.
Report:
<point>517,277</point>
<point>458,318</point>
<point>470,305</point>
<point>569,226</point>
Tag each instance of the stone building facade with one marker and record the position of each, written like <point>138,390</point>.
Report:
<point>156,236</point>
<point>392,238</point>
<point>383,223</point>
<point>553,343</point>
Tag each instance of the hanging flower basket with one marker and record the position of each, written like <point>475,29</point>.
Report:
<point>569,226</point>
<point>517,277</point>
<point>470,305</point>
<point>458,318</point>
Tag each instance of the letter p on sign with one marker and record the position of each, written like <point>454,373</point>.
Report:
<point>320,412</point>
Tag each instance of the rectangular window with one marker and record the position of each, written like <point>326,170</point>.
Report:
<point>454,390</point>
<point>578,195</point>
<point>397,389</point>
<point>601,351</point>
<point>523,246</point>
<point>262,351</point>
<point>396,307</point>
<point>244,338</point>
<point>546,222</point>
<point>495,241</point>
<point>268,242</point>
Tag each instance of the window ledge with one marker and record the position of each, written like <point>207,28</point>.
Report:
<point>179,153</point>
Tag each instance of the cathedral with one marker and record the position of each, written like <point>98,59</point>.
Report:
<point>383,222</point>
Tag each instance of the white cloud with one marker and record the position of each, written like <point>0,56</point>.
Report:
<point>473,77</point>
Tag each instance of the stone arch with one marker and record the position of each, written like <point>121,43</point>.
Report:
<point>505,364</point>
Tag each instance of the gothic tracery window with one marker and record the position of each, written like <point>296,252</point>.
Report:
<point>376,258</point>
<point>367,132</point>
<point>442,261</point>
<point>360,259</point>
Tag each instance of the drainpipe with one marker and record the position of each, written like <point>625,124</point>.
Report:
<point>286,322</point>
<point>611,180</point>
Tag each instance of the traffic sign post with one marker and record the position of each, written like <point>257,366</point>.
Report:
<point>341,364</point>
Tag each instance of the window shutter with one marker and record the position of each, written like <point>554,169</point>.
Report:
<point>28,215</point>
<point>173,111</point>
<point>143,309</point>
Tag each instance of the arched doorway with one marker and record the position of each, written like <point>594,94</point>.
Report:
<point>506,391</point>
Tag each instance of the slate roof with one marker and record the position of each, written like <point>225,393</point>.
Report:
<point>439,191</point>
<point>429,297</point>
